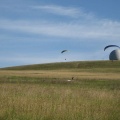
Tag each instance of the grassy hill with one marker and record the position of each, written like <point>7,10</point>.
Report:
<point>68,65</point>
<point>48,92</point>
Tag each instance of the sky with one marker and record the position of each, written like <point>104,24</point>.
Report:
<point>36,31</point>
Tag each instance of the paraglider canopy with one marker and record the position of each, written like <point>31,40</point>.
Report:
<point>63,51</point>
<point>111,46</point>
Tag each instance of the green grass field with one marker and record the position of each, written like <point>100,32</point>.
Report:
<point>44,92</point>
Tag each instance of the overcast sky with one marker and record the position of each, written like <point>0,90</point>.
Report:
<point>36,31</point>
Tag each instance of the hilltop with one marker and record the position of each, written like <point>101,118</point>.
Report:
<point>68,65</point>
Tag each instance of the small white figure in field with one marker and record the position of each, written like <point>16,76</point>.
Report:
<point>70,80</point>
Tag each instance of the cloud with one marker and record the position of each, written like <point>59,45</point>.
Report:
<point>82,28</point>
<point>59,10</point>
<point>72,12</point>
<point>101,29</point>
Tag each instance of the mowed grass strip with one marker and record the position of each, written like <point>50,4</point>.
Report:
<point>63,74</point>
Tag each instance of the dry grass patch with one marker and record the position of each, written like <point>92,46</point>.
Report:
<point>41,102</point>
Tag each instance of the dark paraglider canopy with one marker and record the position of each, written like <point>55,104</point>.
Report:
<point>111,46</point>
<point>63,51</point>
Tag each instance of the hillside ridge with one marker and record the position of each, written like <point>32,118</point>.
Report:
<point>67,65</point>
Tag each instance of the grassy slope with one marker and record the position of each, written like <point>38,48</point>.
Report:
<point>42,92</point>
<point>98,72</point>
<point>68,65</point>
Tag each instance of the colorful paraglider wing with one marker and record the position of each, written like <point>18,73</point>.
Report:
<point>63,51</point>
<point>111,46</point>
